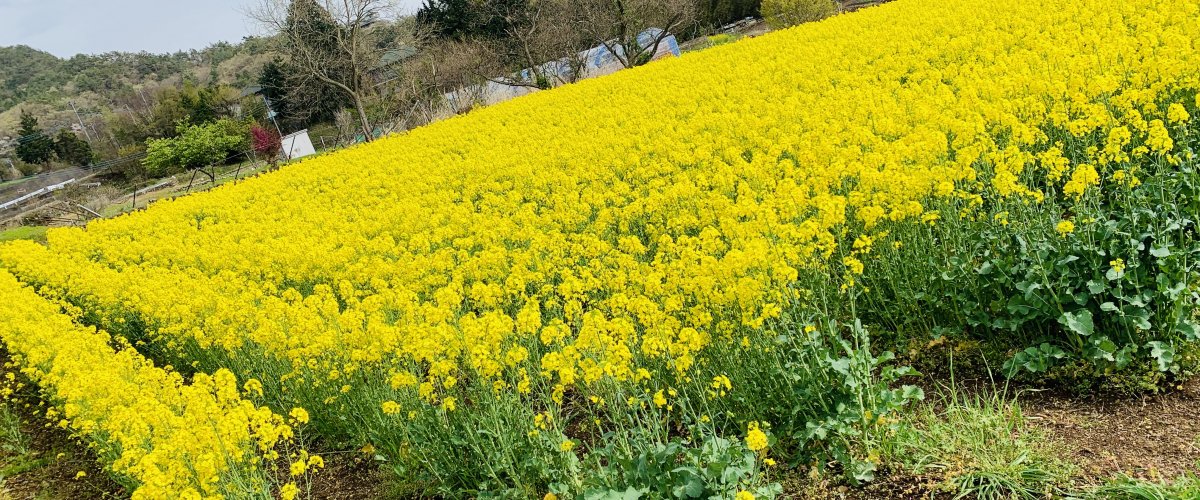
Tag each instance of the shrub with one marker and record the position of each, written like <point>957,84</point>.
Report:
<point>71,149</point>
<point>197,146</point>
<point>266,142</point>
<point>786,13</point>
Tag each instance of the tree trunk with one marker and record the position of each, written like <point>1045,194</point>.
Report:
<point>362,117</point>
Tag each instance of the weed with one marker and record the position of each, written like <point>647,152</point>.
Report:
<point>981,446</point>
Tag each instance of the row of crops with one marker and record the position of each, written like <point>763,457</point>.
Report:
<point>669,280</point>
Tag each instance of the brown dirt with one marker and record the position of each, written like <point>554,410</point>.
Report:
<point>1150,437</point>
<point>885,486</point>
<point>47,470</point>
<point>350,477</point>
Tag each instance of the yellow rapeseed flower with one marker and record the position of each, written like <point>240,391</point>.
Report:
<point>756,439</point>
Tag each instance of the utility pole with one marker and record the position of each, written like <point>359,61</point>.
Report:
<point>81,125</point>
<point>271,114</point>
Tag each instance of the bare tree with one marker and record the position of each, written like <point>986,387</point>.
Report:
<point>634,30</point>
<point>540,48</point>
<point>334,42</point>
<point>448,74</point>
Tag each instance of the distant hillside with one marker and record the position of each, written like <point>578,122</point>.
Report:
<point>44,84</point>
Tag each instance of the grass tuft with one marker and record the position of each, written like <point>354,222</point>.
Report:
<point>981,447</point>
<point>1127,488</point>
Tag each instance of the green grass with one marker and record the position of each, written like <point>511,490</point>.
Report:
<point>1127,488</point>
<point>981,447</point>
<point>16,455</point>
<point>35,233</point>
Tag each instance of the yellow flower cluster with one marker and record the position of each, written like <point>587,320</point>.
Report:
<point>618,230</point>
<point>174,440</point>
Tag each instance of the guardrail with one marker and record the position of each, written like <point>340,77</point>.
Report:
<point>46,190</point>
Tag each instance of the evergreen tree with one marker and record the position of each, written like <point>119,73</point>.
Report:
<point>454,19</point>
<point>71,149</point>
<point>312,30</point>
<point>301,100</point>
<point>480,19</point>
<point>715,13</point>
<point>33,145</point>
<point>201,104</point>
<point>274,83</point>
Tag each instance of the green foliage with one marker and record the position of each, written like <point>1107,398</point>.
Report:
<point>71,149</point>
<point>35,233</point>
<point>199,104</point>
<point>299,102</point>
<point>1127,488</point>
<point>197,146</point>
<point>982,447</point>
<point>452,19</point>
<point>715,468</point>
<point>786,13</point>
<point>25,72</point>
<point>310,34</point>
<point>831,399</point>
<point>28,75</point>
<point>33,145</point>
<point>720,12</point>
<point>1108,297</point>
<point>169,107</point>
<point>721,39</point>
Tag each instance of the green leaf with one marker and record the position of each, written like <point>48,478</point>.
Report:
<point>912,392</point>
<point>1160,252</point>
<point>841,366</point>
<point>1102,349</point>
<point>1189,329</point>
<point>1163,353</point>
<point>864,472</point>
<point>1078,322</point>
<point>692,486</point>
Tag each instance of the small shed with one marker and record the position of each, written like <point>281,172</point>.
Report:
<point>297,145</point>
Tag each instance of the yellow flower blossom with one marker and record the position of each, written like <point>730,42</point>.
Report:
<point>1176,113</point>
<point>289,491</point>
<point>756,439</point>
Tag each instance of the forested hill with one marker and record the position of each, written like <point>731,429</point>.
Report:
<point>36,79</point>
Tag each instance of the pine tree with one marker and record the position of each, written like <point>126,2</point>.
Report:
<point>33,145</point>
<point>71,149</point>
<point>454,19</point>
<point>312,34</point>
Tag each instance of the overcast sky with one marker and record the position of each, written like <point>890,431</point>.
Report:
<point>68,27</point>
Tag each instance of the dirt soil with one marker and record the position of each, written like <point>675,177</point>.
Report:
<point>349,477</point>
<point>1150,437</point>
<point>49,467</point>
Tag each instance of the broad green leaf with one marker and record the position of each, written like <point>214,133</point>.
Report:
<point>1079,322</point>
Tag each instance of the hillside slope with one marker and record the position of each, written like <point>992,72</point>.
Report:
<point>44,84</point>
